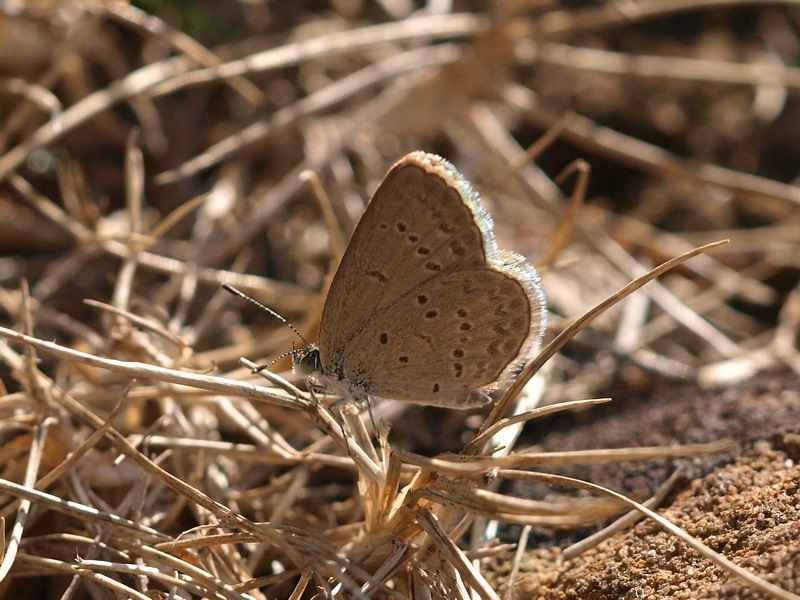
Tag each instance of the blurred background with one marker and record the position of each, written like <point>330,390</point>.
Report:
<point>151,150</point>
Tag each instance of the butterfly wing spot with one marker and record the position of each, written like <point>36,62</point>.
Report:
<point>465,326</point>
<point>403,359</point>
<point>500,330</point>
<point>458,353</point>
<point>431,314</point>
<point>422,299</point>
<point>379,276</point>
<point>504,309</point>
<point>413,238</point>
<point>423,251</point>
<point>401,227</point>
<point>462,312</point>
<point>384,338</point>
<point>433,266</point>
<point>427,339</point>
<point>458,370</point>
<point>436,387</point>
<point>457,249</point>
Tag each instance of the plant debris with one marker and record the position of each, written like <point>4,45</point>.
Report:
<point>150,153</point>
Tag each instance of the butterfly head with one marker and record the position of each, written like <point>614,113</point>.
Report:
<point>306,361</point>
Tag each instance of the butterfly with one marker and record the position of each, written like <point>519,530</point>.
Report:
<point>424,307</point>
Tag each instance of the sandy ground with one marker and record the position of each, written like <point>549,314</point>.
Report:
<point>744,504</point>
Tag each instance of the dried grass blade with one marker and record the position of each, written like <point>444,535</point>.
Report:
<point>565,336</point>
<point>432,27</point>
<point>467,465</point>
<point>335,92</point>
<point>90,106</point>
<point>81,511</point>
<point>32,468</point>
<point>200,576</point>
<point>623,522</point>
<point>527,416</point>
<point>519,510</point>
<point>453,554</point>
<point>143,370</point>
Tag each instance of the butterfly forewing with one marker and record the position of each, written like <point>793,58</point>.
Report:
<point>414,228</point>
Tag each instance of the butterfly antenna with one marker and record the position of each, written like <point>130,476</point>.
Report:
<point>235,292</point>
<point>260,368</point>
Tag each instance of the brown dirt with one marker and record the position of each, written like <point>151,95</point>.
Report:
<point>747,509</point>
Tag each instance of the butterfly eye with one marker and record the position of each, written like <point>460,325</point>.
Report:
<point>308,363</point>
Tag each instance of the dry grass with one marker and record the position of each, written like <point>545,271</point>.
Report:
<point>142,169</point>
